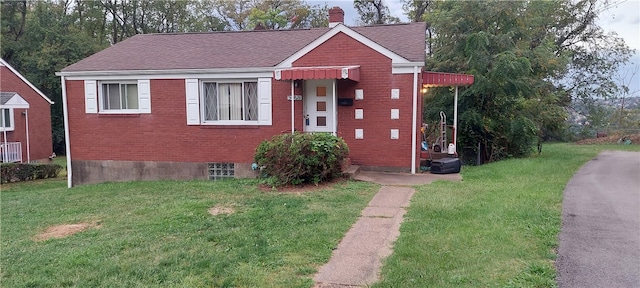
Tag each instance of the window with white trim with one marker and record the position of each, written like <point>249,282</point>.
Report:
<point>117,97</point>
<point>230,101</point>
<point>6,119</point>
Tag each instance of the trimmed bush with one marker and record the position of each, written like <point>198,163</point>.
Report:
<point>301,158</point>
<point>11,172</point>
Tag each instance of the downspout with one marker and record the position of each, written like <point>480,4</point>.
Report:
<point>414,122</point>
<point>4,148</point>
<point>293,119</point>
<point>65,110</point>
<point>26,118</point>
<point>455,118</point>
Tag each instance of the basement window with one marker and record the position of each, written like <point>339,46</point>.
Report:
<point>219,171</point>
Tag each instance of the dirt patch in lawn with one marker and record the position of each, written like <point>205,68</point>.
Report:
<point>64,230</point>
<point>217,210</point>
<point>298,189</point>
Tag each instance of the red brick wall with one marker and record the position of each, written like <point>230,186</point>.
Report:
<point>376,80</point>
<point>164,135</point>
<point>40,140</point>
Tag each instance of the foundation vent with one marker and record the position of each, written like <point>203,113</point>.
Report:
<point>219,171</point>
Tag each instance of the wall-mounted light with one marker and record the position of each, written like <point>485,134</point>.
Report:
<point>424,89</point>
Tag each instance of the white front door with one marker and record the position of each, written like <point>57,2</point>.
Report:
<point>318,106</point>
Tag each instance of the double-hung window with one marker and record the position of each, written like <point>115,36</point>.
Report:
<point>6,119</point>
<point>230,101</point>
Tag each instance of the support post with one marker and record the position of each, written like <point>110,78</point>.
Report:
<point>26,118</point>
<point>334,129</point>
<point>414,121</point>
<point>455,119</point>
<point>293,119</point>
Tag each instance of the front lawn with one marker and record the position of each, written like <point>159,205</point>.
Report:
<point>496,228</point>
<point>145,234</point>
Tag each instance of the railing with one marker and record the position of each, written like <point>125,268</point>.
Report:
<point>11,152</point>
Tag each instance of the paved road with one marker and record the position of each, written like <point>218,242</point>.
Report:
<point>600,235</point>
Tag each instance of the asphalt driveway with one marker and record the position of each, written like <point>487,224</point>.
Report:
<point>600,235</point>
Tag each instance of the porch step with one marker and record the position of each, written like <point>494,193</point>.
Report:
<point>352,171</point>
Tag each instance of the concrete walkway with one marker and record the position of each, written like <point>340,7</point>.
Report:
<point>358,258</point>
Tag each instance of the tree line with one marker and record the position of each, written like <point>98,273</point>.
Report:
<point>532,60</point>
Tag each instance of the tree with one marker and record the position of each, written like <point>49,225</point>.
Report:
<point>374,12</point>
<point>272,14</point>
<point>530,60</point>
<point>14,17</point>
<point>416,9</point>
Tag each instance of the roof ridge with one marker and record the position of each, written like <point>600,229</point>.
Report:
<point>233,31</point>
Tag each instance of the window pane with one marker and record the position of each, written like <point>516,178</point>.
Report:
<point>321,91</point>
<point>251,101</point>
<point>321,106</point>
<point>111,96</point>
<point>210,101</point>
<point>230,95</point>
<point>210,98</point>
<point>5,120</point>
<point>131,96</point>
<point>321,121</point>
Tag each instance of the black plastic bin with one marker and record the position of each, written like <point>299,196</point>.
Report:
<point>445,166</point>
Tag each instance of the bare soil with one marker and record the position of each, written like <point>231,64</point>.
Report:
<point>217,210</point>
<point>612,139</point>
<point>65,230</point>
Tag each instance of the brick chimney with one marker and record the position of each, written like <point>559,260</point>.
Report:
<point>336,16</point>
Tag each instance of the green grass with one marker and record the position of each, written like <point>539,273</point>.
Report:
<point>160,233</point>
<point>496,228</point>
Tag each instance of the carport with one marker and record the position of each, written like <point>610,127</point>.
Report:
<point>442,79</point>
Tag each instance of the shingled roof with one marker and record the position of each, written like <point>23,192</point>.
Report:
<point>240,49</point>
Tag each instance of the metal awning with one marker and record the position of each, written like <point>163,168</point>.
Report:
<point>320,72</point>
<point>441,79</point>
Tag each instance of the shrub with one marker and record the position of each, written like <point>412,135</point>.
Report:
<point>10,172</point>
<point>302,158</point>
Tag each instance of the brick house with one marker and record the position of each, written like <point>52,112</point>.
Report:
<point>196,105</point>
<point>25,119</point>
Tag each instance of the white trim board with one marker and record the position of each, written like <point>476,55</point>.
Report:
<point>395,58</point>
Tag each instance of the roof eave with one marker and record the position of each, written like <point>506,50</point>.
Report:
<point>162,71</point>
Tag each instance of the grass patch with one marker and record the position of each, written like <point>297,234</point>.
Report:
<point>163,233</point>
<point>496,228</point>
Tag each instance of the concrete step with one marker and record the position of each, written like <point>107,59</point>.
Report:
<point>352,171</point>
